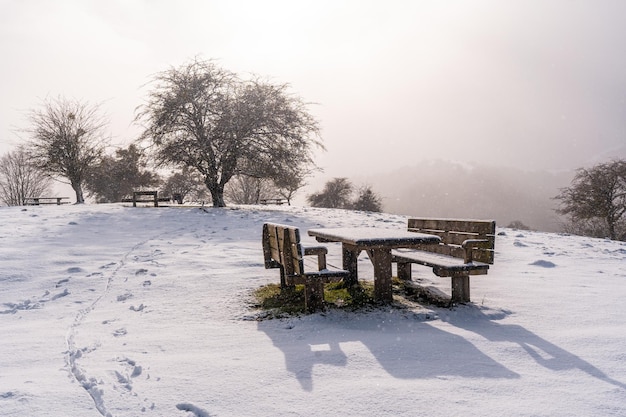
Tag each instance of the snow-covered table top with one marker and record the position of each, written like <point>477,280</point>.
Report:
<point>367,237</point>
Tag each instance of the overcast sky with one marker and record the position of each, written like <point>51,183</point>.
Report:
<point>536,84</point>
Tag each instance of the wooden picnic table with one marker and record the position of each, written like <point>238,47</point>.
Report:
<point>36,201</point>
<point>378,242</point>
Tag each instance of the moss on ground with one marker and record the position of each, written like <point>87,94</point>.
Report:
<point>277,303</point>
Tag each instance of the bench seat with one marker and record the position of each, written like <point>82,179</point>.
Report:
<point>443,265</point>
<point>466,248</point>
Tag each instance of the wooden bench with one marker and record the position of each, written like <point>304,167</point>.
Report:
<point>152,197</point>
<point>35,201</point>
<point>466,248</point>
<point>278,201</point>
<point>282,249</point>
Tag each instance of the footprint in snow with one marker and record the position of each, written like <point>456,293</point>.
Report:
<point>197,411</point>
<point>74,270</point>
<point>124,381</point>
<point>124,297</point>
<point>61,294</point>
<point>543,264</point>
<point>63,281</point>
<point>120,332</point>
<point>136,369</point>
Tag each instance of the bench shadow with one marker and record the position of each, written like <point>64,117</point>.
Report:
<point>485,323</point>
<point>402,342</point>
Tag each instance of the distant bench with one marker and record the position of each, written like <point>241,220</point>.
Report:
<point>278,201</point>
<point>282,249</point>
<point>466,248</point>
<point>146,197</point>
<point>35,201</point>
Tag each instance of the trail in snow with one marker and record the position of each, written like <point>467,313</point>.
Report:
<point>74,354</point>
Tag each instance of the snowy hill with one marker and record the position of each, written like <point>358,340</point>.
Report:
<point>108,310</point>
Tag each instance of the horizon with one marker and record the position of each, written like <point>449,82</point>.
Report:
<point>522,85</point>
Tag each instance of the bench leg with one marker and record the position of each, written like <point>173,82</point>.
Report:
<point>350,261</point>
<point>381,258</point>
<point>460,289</point>
<point>313,295</point>
<point>404,270</point>
<point>283,281</point>
<point>321,261</point>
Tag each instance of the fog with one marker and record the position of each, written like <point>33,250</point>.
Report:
<point>446,189</point>
<point>524,85</point>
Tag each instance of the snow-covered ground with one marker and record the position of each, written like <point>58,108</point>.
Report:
<point>120,311</point>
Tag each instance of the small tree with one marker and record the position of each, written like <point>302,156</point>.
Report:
<point>597,193</point>
<point>206,118</point>
<point>247,190</point>
<point>367,200</point>
<point>67,140</point>
<point>518,225</point>
<point>336,194</point>
<point>288,183</point>
<point>19,179</point>
<point>116,177</point>
<point>187,184</point>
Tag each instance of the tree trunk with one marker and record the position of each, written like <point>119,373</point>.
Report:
<point>612,233</point>
<point>217,193</point>
<point>78,189</point>
<point>218,199</point>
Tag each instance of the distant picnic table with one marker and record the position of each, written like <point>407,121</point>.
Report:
<point>36,201</point>
<point>151,196</point>
<point>277,201</point>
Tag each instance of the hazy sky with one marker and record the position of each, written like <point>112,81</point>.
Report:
<point>525,83</point>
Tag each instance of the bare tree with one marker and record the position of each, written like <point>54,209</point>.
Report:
<point>597,193</point>
<point>206,118</point>
<point>67,140</point>
<point>186,184</point>
<point>19,179</point>
<point>247,190</point>
<point>289,182</point>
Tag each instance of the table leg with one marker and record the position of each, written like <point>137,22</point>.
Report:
<point>381,259</point>
<point>350,256</point>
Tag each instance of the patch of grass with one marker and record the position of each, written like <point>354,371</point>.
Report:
<point>277,303</point>
<point>339,295</point>
<point>291,301</point>
<point>270,297</point>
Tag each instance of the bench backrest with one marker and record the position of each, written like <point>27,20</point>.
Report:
<point>455,232</point>
<point>282,248</point>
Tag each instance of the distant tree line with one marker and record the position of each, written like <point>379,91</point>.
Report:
<point>341,193</point>
<point>205,123</point>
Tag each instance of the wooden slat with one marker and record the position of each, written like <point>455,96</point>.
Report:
<point>294,250</point>
<point>454,232</point>
<point>454,237</point>
<point>486,227</point>
<point>273,247</point>
<point>443,266</point>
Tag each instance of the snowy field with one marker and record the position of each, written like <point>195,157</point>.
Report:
<point>108,310</point>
